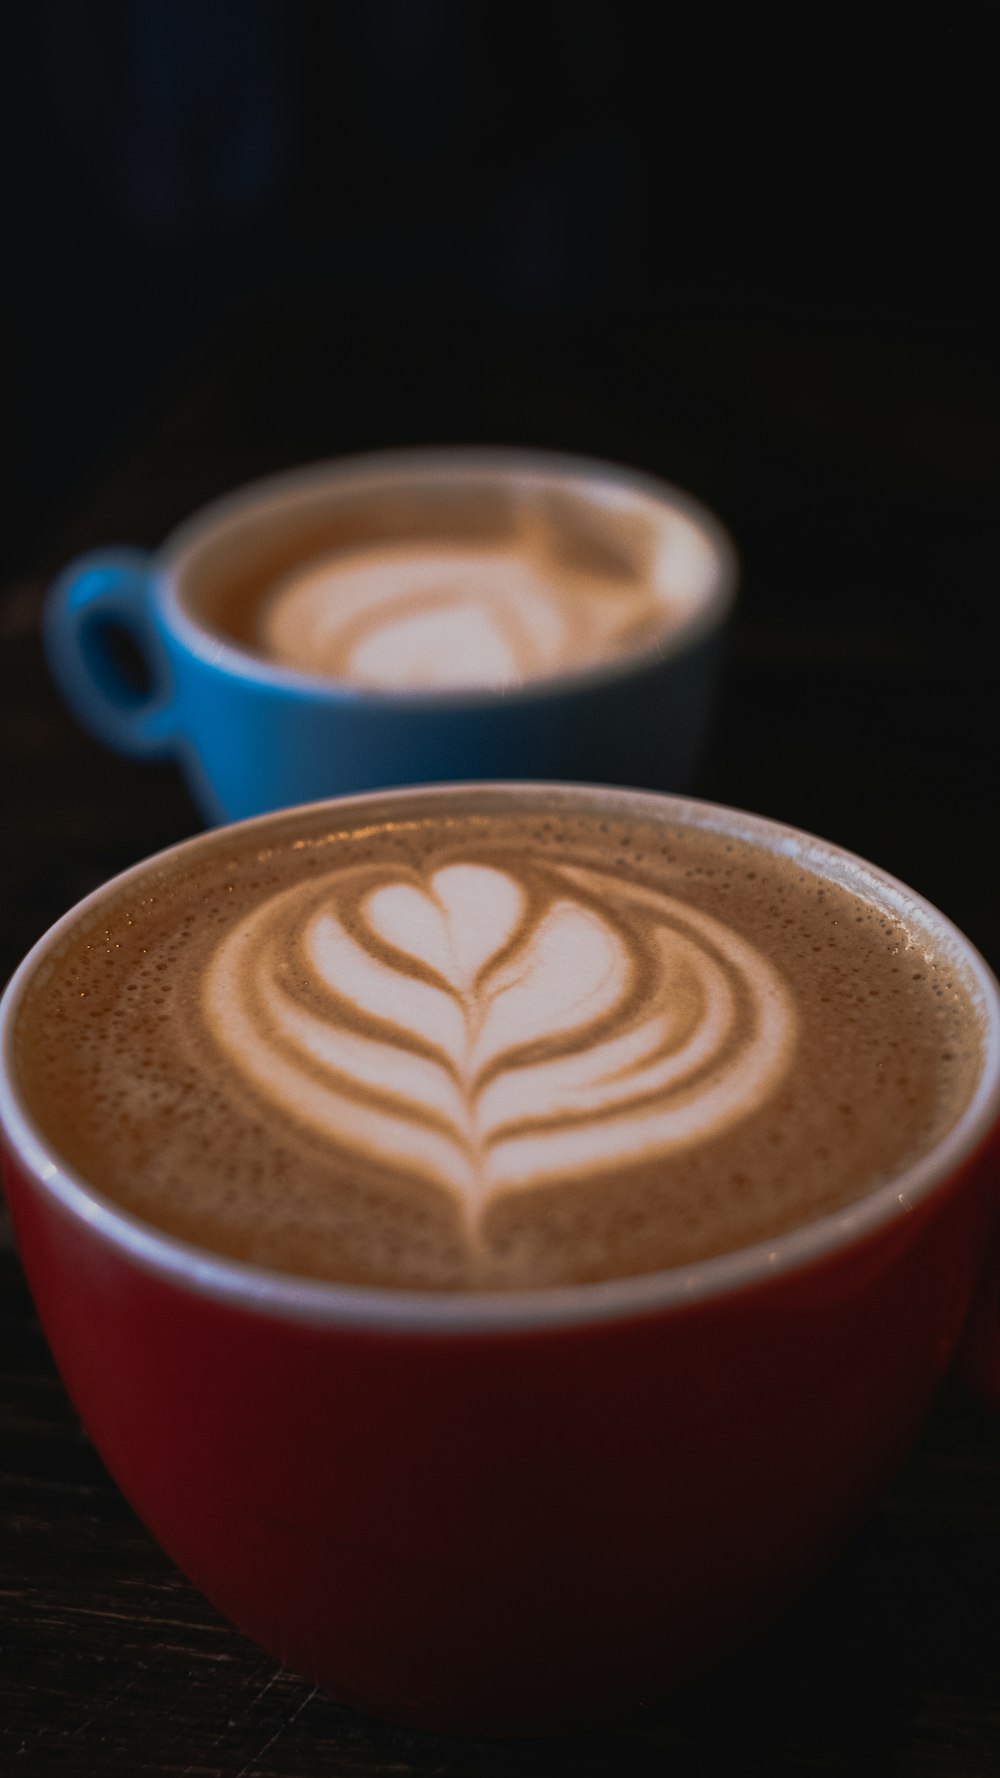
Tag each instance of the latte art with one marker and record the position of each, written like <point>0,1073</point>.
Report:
<point>426,617</point>
<point>491,1030</point>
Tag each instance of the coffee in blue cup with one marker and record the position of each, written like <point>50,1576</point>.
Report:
<point>408,617</point>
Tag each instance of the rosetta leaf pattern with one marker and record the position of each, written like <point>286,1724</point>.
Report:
<point>467,1030</point>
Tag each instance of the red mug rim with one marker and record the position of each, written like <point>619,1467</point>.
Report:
<point>388,1309</point>
<point>270,493</point>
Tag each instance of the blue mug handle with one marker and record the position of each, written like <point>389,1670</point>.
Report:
<point>96,601</point>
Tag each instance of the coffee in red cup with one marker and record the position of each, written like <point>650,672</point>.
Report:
<point>501,1237</point>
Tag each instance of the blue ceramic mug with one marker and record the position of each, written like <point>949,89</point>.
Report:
<point>253,733</point>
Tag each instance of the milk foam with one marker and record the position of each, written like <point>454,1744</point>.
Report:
<point>492,1032</point>
<point>428,615</point>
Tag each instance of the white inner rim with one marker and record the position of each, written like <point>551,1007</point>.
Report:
<point>287,1296</point>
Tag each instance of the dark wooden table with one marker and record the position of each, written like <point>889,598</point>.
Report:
<point>859,475</point>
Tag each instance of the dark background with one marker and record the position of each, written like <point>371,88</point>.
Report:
<point>390,198</point>
<point>242,235</point>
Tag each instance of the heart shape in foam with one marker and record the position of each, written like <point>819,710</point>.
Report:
<point>470,913</point>
<point>567,970</point>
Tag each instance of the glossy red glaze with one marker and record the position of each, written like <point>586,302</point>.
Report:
<point>481,1530</point>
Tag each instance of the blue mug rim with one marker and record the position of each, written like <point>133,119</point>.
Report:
<point>214,648</point>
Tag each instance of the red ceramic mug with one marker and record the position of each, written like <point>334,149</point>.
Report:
<point>520,1510</point>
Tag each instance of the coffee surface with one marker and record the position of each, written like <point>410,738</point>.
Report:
<point>482,1043</point>
<point>463,584</point>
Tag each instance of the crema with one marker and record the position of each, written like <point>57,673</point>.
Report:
<point>492,1039</point>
